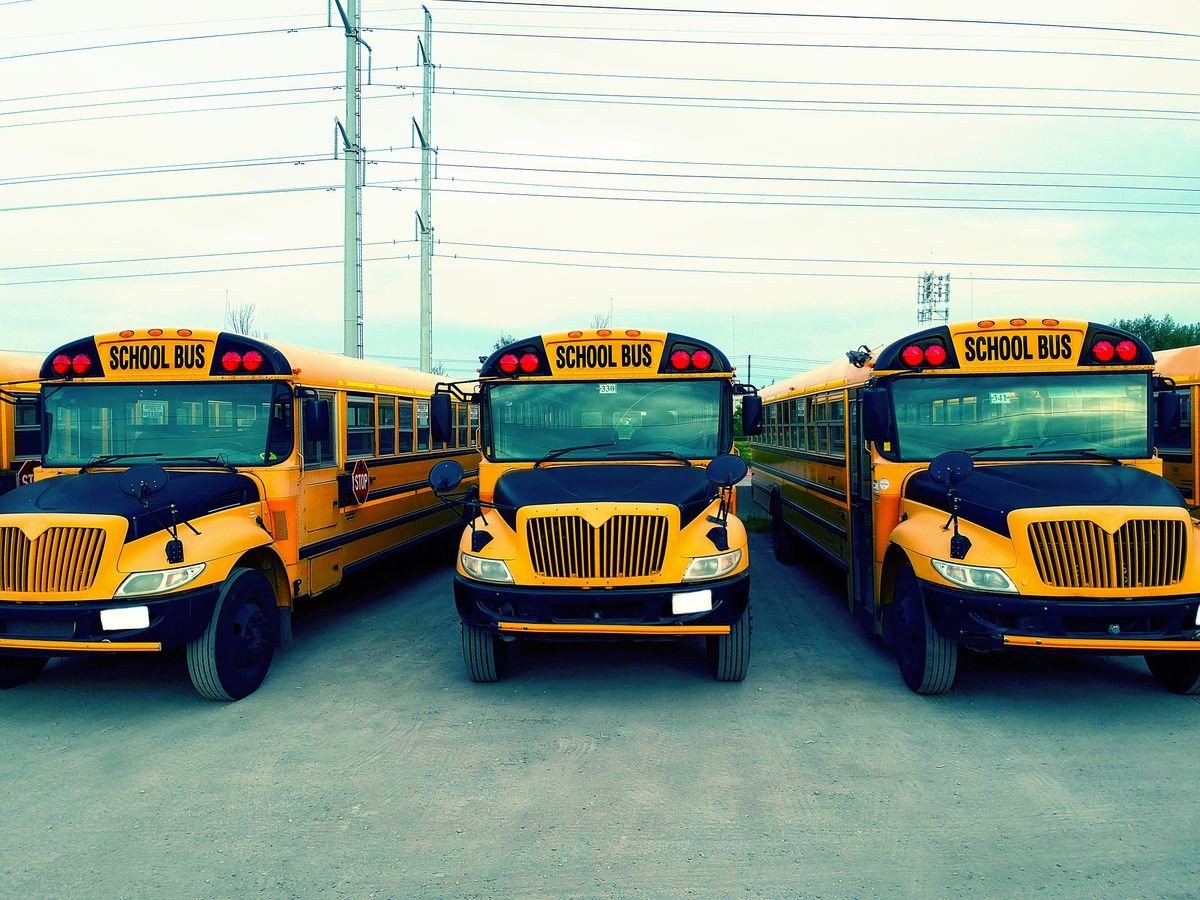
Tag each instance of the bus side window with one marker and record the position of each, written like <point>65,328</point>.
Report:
<point>464,439</point>
<point>422,424</point>
<point>28,428</point>
<point>360,426</point>
<point>318,432</point>
<point>387,426</point>
<point>405,419</point>
<point>474,436</point>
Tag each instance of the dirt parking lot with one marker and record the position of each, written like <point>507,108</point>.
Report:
<point>368,765</point>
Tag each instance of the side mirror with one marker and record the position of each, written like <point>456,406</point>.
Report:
<point>726,470</point>
<point>951,468</point>
<point>445,476</point>
<point>441,418</point>
<point>752,415</point>
<point>876,414</point>
<point>317,426</point>
<point>1168,409</point>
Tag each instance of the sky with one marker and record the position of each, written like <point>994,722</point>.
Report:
<point>772,183</point>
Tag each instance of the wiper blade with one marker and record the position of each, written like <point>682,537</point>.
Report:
<point>1090,452</point>
<point>208,460</point>
<point>112,458</point>
<point>559,451</point>
<point>973,450</point>
<point>652,454</point>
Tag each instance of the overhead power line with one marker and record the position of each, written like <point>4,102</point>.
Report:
<point>252,162</point>
<point>161,40</point>
<point>119,200</point>
<point>809,167</point>
<point>676,10</point>
<point>907,85</point>
<point>793,45</point>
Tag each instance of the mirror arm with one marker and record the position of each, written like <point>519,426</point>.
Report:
<point>960,544</point>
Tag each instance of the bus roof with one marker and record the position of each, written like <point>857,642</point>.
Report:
<point>19,368</point>
<point>1180,363</point>
<point>113,352</point>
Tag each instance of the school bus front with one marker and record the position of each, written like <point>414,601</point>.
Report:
<point>605,499</point>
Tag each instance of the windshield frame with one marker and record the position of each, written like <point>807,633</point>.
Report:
<point>278,439</point>
<point>608,453</point>
<point>1022,449</point>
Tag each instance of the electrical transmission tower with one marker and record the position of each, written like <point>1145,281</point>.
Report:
<point>933,298</point>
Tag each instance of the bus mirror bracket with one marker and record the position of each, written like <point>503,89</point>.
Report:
<point>724,472</point>
<point>876,414</point>
<point>948,469</point>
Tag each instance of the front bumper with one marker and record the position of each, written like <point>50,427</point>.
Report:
<point>65,629</point>
<point>992,621</point>
<point>598,612</point>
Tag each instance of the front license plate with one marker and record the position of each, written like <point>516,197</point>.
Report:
<point>691,602</point>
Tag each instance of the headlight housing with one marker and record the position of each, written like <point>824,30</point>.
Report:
<point>139,584</point>
<point>486,569</point>
<point>703,568</point>
<point>976,578</point>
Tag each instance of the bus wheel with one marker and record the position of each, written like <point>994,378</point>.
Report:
<point>230,659</point>
<point>483,653</point>
<point>781,542</point>
<point>16,670</point>
<point>926,659</point>
<point>729,654</point>
<point>1178,672</point>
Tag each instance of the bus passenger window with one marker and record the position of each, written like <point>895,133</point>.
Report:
<point>360,426</point>
<point>422,424</point>
<point>474,441</point>
<point>387,426</point>
<point>463,431</point>
<point>318,432</point>
<point>28,428</point>
<point>405,418</point>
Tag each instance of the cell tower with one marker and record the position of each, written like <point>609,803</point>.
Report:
<point>933,298</point>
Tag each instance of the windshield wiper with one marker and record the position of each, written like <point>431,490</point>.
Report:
<point>105,460</point>
<point>974,450</point>
<point>556,453</point>
<point>208,460</point>
<point>654,454</point>
<point>1090,452</point>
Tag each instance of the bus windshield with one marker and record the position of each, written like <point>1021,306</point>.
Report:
<point>1022,416</point>
<point>237,423</point>
<point>606,420</point>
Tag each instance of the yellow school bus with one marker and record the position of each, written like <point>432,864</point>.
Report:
<point>990,484</point>
<point>20,426</point>
<point>605,504</point>
<point>1176,439</point>
<point>196,484</point>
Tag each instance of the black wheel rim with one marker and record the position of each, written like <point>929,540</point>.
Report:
<point>250,644</point>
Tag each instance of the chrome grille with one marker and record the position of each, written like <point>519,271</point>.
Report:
<point>60,560</point>
<point>623,547</point>
<point>1081,554</point>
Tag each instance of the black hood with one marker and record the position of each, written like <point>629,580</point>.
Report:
<point>682,486</point>
<point>96,493</point>
<point>990,493</point>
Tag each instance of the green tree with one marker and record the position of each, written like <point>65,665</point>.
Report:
<point>503,341</point>
<point>1161,333</point>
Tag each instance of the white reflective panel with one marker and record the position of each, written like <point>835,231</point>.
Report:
<point>125,618</point>
<point>691,602</point>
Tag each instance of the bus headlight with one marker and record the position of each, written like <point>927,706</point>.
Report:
<point>486,569</point>
<point>977,578</point>
<point>141,583</point>
<point>704,567</point>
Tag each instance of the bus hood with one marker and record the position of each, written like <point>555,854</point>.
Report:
<point>682,486</point>
<point>990,493</point>
<point>194,494</point>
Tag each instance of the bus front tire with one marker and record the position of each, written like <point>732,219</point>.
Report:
<point>729,654</point>
<point>927,660</point>
<point>483,654</point>
<point>782,542</point>
<point>230,659</point>
<point>17,670</point>
<point>1178,672</point>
